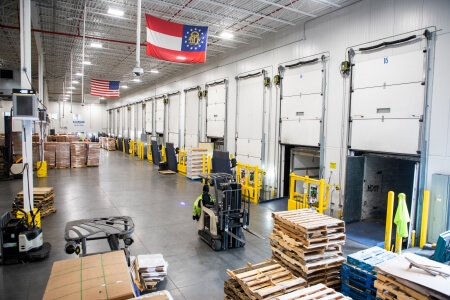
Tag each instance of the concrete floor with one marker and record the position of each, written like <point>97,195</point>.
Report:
<point>125,185</point>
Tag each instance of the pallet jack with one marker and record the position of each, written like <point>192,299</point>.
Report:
<point>221,225</point>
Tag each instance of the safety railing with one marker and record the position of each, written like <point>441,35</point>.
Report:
<point>315,194</point>
<point>250,178</point>
<point>182,162</point>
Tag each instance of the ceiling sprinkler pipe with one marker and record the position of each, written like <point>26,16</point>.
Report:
<point>138,70</point>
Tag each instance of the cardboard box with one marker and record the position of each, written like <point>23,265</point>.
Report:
<point>100,276</point>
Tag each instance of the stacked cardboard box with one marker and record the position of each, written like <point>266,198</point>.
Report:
<point>71,138</point>
<point>100,276</point>
<point>60,138</point>
<point>43,197</point>
<point>35,138</point>
<point>77,155</point>
<point>50,154</point>
<point>111,144</point>
<point>62,159</point>
<point>149,270</point>
<point>36,147</point>
<point>93,154</point>
<point>309,244</point>
<point>194,166</point>
<point>51,138</point>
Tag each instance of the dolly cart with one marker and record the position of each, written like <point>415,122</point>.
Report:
<point>113,229</point>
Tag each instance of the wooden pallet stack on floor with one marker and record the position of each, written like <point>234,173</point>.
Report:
<point>309,244</point>
<point>265,280</point>
<point>359,275</point>
<point>194,166</point>
<point>42,196</point>
<point>93,154</point>
<point>406,277</point>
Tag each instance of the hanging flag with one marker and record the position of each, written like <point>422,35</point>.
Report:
<point>105,88</point>
<point>176,42</point>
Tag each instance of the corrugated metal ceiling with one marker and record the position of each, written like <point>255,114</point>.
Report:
<point>60,25</point>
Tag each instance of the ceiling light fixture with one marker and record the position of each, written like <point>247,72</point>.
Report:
<point>75,81</point>
<point>226,35</point>
<point>101,98</point>
<point>86,62</point>
<point>181,57</point>
<point>71,88</point>
<point>155,70</point>
<point>78,74</point>
<point>136,80</point>
<point>115,12</point>
<point>124,86</point>
<point>96,45</point>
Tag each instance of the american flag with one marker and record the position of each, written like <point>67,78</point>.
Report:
<point>105,88</point>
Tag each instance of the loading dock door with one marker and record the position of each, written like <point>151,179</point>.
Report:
<point>302,105</point>
<point>173,129</point>
<point>149,116</point>
<point>249,120</point>
<point>216,111</point>
<point>159,115</point>
<point>191,120</point>
<point>387,103</point>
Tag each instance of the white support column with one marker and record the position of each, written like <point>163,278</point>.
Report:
<point>25,82</point>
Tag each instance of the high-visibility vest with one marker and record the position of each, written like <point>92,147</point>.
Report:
<point>197,207</point>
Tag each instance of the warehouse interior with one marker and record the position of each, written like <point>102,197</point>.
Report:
<point>326,105</point>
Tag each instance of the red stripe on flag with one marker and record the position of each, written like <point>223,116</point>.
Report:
<point>163,26</point>
<point>171,55</point>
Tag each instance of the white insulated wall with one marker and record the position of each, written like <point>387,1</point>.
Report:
<point>359,23</point>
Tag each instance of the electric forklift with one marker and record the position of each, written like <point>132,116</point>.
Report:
<point>221,225</point>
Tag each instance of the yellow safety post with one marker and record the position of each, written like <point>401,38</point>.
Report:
<point>41,169</point>
<point>424,226</point>
<point>140,150</point>
<point>389,217</point>
<point>182,162</point>
<point>300,200</point>
<point>123,145</point>
<point>163,154</point>
<point>398,244</point>
<point>132,149</point>
<point>413,238</point>
<point>149,153</point>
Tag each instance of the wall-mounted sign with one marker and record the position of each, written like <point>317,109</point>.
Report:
<point>78,123</point>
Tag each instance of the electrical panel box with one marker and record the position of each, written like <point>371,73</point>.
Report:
<point>25,105</point>
<point>439,217</point>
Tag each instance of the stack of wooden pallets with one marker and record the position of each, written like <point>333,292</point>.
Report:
<point>309,244</point>
<point>358,273</point>
<point>77,155</point>
<point>406,277</point>
<point>194,165</point>
<point>42,196</point>
<point>261,281</point>
<point>148,270</point>
<point>93,154</point>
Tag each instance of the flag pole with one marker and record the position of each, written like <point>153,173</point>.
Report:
<point>82,64</point>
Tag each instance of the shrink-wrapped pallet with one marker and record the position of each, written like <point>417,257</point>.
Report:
<point>93,154</point>
<point>50,154</point>
<point>77,155</point>
<point>62,155</point>
<point>111,144</point>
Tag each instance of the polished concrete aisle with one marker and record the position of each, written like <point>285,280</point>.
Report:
<point>161,208</point>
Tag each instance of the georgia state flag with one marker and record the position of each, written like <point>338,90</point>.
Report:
<point>176,42</point>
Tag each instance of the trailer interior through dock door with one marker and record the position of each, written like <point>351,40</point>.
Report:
<point>385,137</point>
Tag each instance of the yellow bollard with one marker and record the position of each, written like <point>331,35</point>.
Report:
<point>41,169</point>
<point>413,238</point>
<point>321,195</point>
<point>389,216</point>
<point>424,226</point>
<point>398,244</point>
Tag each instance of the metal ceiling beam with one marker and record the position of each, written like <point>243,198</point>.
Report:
<point>247,11</point>
<point>326,2</point>
<point>287,8</point>
<point>209,14</point>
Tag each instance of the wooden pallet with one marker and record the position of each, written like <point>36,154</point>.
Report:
<point>393,290</point>
<point>308,221</point>
<point>266,280</point>
<point>167,172</point>
<point>318,291</point>
<point>234,290</point>
<point>38,192</point>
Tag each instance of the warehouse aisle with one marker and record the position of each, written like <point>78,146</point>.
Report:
<point>160,206</point>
